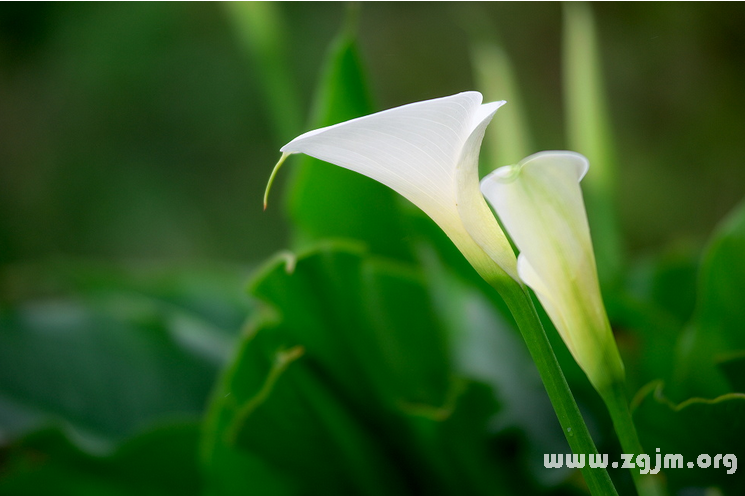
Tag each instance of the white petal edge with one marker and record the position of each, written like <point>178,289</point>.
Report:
<point>545,236</point>
<point>531,278</point>
<point>411,149</point>
<point>475,214</point>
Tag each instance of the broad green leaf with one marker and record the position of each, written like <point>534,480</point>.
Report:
<point>279,434</point>
<point>645,335</point>
<point>106,350</point>
<point>720,314</point>
<point>106,376</point>
<point>322,445</point>
<point>346,373</point>
<point>589,132</point>
<point>668,281</point>
<point>284,419</point>
<point>371,304</point>
<point>733,367</point>
<point>326,201</point>
<point>722,283</point>
<point>648,317</point>
<point>160,462</point>
<point>692,428</point>
<point>203,303</point>
<point>229,470</point>
<point>453,445</point>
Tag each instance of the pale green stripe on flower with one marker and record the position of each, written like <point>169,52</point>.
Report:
<point>539,201</point>
<point>428,152</point>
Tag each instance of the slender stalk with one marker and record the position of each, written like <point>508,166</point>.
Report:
<point>618,407</point>
<point>520,304</point>
<point>615,400</point>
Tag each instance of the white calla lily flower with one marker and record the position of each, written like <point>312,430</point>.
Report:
<point>428,152</point>
<point>539,201</point>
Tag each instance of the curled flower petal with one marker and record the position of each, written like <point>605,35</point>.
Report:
<point>539,201</point>
<point>428,152</point>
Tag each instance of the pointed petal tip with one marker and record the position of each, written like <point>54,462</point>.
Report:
<point>488,109</point>
<point>273,176</point>
<point>484,113</point>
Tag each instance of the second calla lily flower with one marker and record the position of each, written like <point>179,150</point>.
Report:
<point>539,201</point>
<point>428,152</point>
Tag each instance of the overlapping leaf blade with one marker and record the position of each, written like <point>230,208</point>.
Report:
<point>107,351</point>
<point>692,428</point>
<point>716,331</point>
<point>369,392</point>
<point>159,462</point>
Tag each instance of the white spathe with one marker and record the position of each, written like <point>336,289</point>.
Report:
<point>428,152</point>
<point>539,202</point>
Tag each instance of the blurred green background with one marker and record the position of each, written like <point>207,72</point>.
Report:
<point>142,131</point>
<point>135,145</point>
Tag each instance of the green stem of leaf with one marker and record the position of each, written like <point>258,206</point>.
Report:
<point>520,304</point>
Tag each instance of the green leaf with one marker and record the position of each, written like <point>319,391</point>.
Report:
<point>733,367</point>
<point>338,310</point>
<point>370,302</point>
<point>228,469</point>
<point>105,376</point>
<point>106,350</point>
<point>344,386</point>
<point>453,444</point>
<point>162,461</point>
<point>323,445</point>
<point>649,315</point>
<point>720,315</point>
<point>203,304</point>
<point>645,335</point>
<point>668,280</point>
<point>723,281</point>
<point>326,201</point>
<point>692,428</point>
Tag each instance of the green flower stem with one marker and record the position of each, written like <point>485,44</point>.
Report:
<point>520,304</point>
<point>618,407</point>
